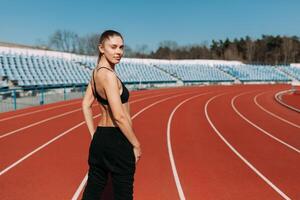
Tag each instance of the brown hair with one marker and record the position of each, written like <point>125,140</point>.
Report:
<point>104,36</point>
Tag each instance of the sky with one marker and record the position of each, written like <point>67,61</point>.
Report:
<point>149,22</point>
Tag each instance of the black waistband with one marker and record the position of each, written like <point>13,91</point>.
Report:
<point>109,127</point>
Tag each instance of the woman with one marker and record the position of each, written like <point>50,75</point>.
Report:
<point>114,147</point>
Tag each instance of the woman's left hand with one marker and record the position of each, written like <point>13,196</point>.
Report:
<point>137,153</point>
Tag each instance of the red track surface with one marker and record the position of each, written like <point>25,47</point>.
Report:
<point>292,99</point>
<point>212,142</point>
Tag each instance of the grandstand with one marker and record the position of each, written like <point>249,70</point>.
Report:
<point>24,69</point>
<point>31,70</point>
<point>254,73</point>
<point>135,71</point>
<point>195,72</point>
<point>40,68</point>
<point>291,70</point>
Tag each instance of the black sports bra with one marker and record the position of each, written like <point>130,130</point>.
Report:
<point>124,96</point>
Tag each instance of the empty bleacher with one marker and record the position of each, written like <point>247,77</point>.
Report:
<point>141,72</point>
<point>27,68</point>
<point>32,70</point>
<point>196,72</point>
<point>254,73</point>
<point>135,71</point>
<point>293,71</point>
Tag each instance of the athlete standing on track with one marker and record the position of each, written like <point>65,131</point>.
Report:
<point>114,147</point>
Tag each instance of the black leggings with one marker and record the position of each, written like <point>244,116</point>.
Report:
<point>110,152</point>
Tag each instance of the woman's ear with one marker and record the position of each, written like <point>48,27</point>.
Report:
<point>101,48</point>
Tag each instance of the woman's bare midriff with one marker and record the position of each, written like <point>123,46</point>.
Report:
<point>107,116</point>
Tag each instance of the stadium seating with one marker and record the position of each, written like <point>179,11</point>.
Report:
<point>246,73</point>
<point>291,70</point>
<point>139,72</point>
<point>30,70</point>
<point>133,72</point>
<point>27,68</point>
<point>196,72</point>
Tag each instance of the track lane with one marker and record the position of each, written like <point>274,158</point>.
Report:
<point>58,114</point>
<point>274,160</point>
<point>49,106</point>
<point>79,190</point>
<point>159,184</point>
<point>33,109</point>
<point>170,148</point>
<point>267,100</point>
<point>12,125</point>
<point>208,169</point>
<point>56,166</point>
<point>292,99</point>
<point>279,129</point>
<point>40,134</point>
<point>272,113</point>
<point>46,164</point>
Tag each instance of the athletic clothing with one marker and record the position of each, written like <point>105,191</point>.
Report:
<point>110,152</point>
<point>124,96</point>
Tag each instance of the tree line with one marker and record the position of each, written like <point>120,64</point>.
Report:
<point>268,49</point>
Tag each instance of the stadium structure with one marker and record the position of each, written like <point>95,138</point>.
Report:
<point>28,72</point>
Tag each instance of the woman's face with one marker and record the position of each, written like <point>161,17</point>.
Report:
<point>113,49</point>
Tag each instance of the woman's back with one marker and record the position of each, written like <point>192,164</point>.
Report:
<point>99,81</point>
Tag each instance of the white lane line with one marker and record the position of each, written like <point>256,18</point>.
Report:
<point>279,100</point>
<point>80,188</point>
<point>52,140</point>
<point>271,113</point>
<point>51,108</point>
<point>259,128</point>
<point>239,155</point>
<point>37,123</point>
<point>37,111</point>
<point>83,182</point>
<point>170,151</point>
<point>53,117</point>
<point>41,147</point>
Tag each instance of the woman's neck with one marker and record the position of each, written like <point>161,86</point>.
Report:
<point>105,63</point>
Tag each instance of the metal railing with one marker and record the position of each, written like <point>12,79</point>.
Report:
<point>13,99</point>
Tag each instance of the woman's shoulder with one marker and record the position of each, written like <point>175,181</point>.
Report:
<point>106,76</point>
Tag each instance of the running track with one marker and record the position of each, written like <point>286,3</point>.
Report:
<point>211,142</point>
<point>291,99</point>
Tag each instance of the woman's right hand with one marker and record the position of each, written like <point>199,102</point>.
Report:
<point>137,153</point>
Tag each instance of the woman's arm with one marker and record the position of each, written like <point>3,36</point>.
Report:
<point>128,114</point>
<point>87,103</point>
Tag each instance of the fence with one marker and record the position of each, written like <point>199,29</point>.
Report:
<point>13,99</point>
